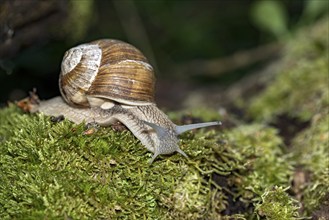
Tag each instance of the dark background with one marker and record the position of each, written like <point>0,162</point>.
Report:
<point>191,44</point>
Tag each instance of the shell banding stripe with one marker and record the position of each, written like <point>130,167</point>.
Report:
<point>124,82</point>
<point>115,51</point>
<point>79,69</point>
<point>124,75</point>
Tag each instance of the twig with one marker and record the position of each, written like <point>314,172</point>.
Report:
<point>240,59</point>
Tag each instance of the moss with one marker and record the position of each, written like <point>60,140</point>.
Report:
<point>300,91</point>
<point>57,170</point>
<point>276,204</point>
<point>52,170</point>
<point>301,86</point>
<point>257,163</point>
<point>258,149</point>
<point>311,149</point>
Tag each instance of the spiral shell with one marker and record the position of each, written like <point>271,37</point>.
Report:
<point>106,70</point>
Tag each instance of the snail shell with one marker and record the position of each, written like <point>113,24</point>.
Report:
<point>104,70</point>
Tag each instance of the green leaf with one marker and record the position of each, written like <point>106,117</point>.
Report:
<point>271,17</point>
<point>314,8</point>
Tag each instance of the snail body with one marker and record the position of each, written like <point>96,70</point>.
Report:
<point>106,81</point>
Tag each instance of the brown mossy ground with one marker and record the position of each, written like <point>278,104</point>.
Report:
<point>55,170</point>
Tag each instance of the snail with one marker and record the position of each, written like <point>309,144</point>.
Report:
<point>108,80</point>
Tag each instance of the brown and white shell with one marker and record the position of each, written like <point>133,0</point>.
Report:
<point>106,70</point>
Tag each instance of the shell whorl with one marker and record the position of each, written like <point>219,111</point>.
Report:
<point>109,70</point>
<point>79,69</point>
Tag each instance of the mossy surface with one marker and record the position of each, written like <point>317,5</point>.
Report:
<point>311,149</point>
<point>262,162</point>
<point>57,170</point>
<point>301,87</point>
<point>53,170</point>
<point>277,205</point>
<point>259,164</point>
<point>300,93</point>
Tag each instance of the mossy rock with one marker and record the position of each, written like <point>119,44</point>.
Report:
<point>300,88</point>
<point>56,170</point>
<point>311,149</point>
<point>300,95</point>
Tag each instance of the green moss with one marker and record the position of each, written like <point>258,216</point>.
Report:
<point>276,204</point>
<point>258,161</point>
<point>311,149</point>
<point>55,170</point>
<point>301,86</point>
<point>300,90</point>
<point>52,170</point>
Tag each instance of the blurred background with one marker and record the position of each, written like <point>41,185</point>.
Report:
<point>199,49</point>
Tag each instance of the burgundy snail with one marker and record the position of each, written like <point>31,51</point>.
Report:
<point>106,81</point>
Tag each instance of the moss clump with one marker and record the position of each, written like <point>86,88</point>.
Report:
<point>258,163</point>
<point>311,148</point>
<point>276,204</point>
<point>263,163</point>
<point>301,91</point>
<point>54,170</point>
